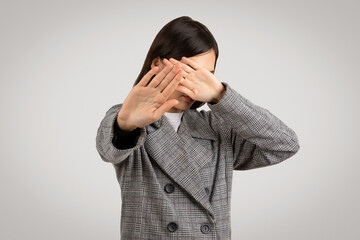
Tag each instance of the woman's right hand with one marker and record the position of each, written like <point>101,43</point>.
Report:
<point>146,103</point>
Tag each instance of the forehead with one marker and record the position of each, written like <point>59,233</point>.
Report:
<point>206,60</point>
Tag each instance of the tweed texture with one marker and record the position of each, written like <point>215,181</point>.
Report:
<point>197,162</point>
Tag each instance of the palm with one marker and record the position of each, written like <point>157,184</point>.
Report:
<point>147,102</point>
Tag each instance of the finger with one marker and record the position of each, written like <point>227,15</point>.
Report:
<point>148,76</point>
<point>170,88</point>
<point>187,83</point>
<point>159,77</point>
<point>186,91</point>
<point>185,67</point>
<point>165,107</point>
<point>190,62</point>
<point>169,77</point>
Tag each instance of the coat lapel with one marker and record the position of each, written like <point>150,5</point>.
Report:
<point>179,155</point>
<point>192,130</point>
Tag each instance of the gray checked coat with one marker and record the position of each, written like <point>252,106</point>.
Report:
<point>177,185</point>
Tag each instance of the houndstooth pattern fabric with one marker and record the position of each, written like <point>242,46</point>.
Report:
<point>196,164</point>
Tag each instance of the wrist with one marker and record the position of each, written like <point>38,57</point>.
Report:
<point>123,123</point>
<point>219,94</point>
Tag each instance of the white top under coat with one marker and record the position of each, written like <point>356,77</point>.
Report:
<point>174,119</point>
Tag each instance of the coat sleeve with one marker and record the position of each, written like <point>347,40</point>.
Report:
<point>116,147</point>
<point>258,138</point>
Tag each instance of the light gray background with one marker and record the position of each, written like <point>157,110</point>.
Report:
<point>63,64</point>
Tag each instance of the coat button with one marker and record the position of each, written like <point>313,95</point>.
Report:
<point>207,191</point>
<point>169,188</point>
<point>205,228</point>
<point>172,227</point>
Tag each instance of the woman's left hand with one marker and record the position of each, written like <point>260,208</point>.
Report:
<point>199,83</point>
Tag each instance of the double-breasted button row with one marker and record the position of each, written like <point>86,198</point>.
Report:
<point>172,227</point>
<point>169,188</point>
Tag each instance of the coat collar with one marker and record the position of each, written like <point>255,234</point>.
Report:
<point>180,155</point>
<point>195,124</point>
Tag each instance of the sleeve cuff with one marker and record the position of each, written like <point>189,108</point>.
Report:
<point>123,140</point>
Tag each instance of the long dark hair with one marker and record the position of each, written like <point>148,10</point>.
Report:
<point>180,37</point>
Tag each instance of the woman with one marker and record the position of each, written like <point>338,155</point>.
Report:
<point>174,164</point>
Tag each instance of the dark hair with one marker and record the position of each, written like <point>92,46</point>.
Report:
<point>180,37</point>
